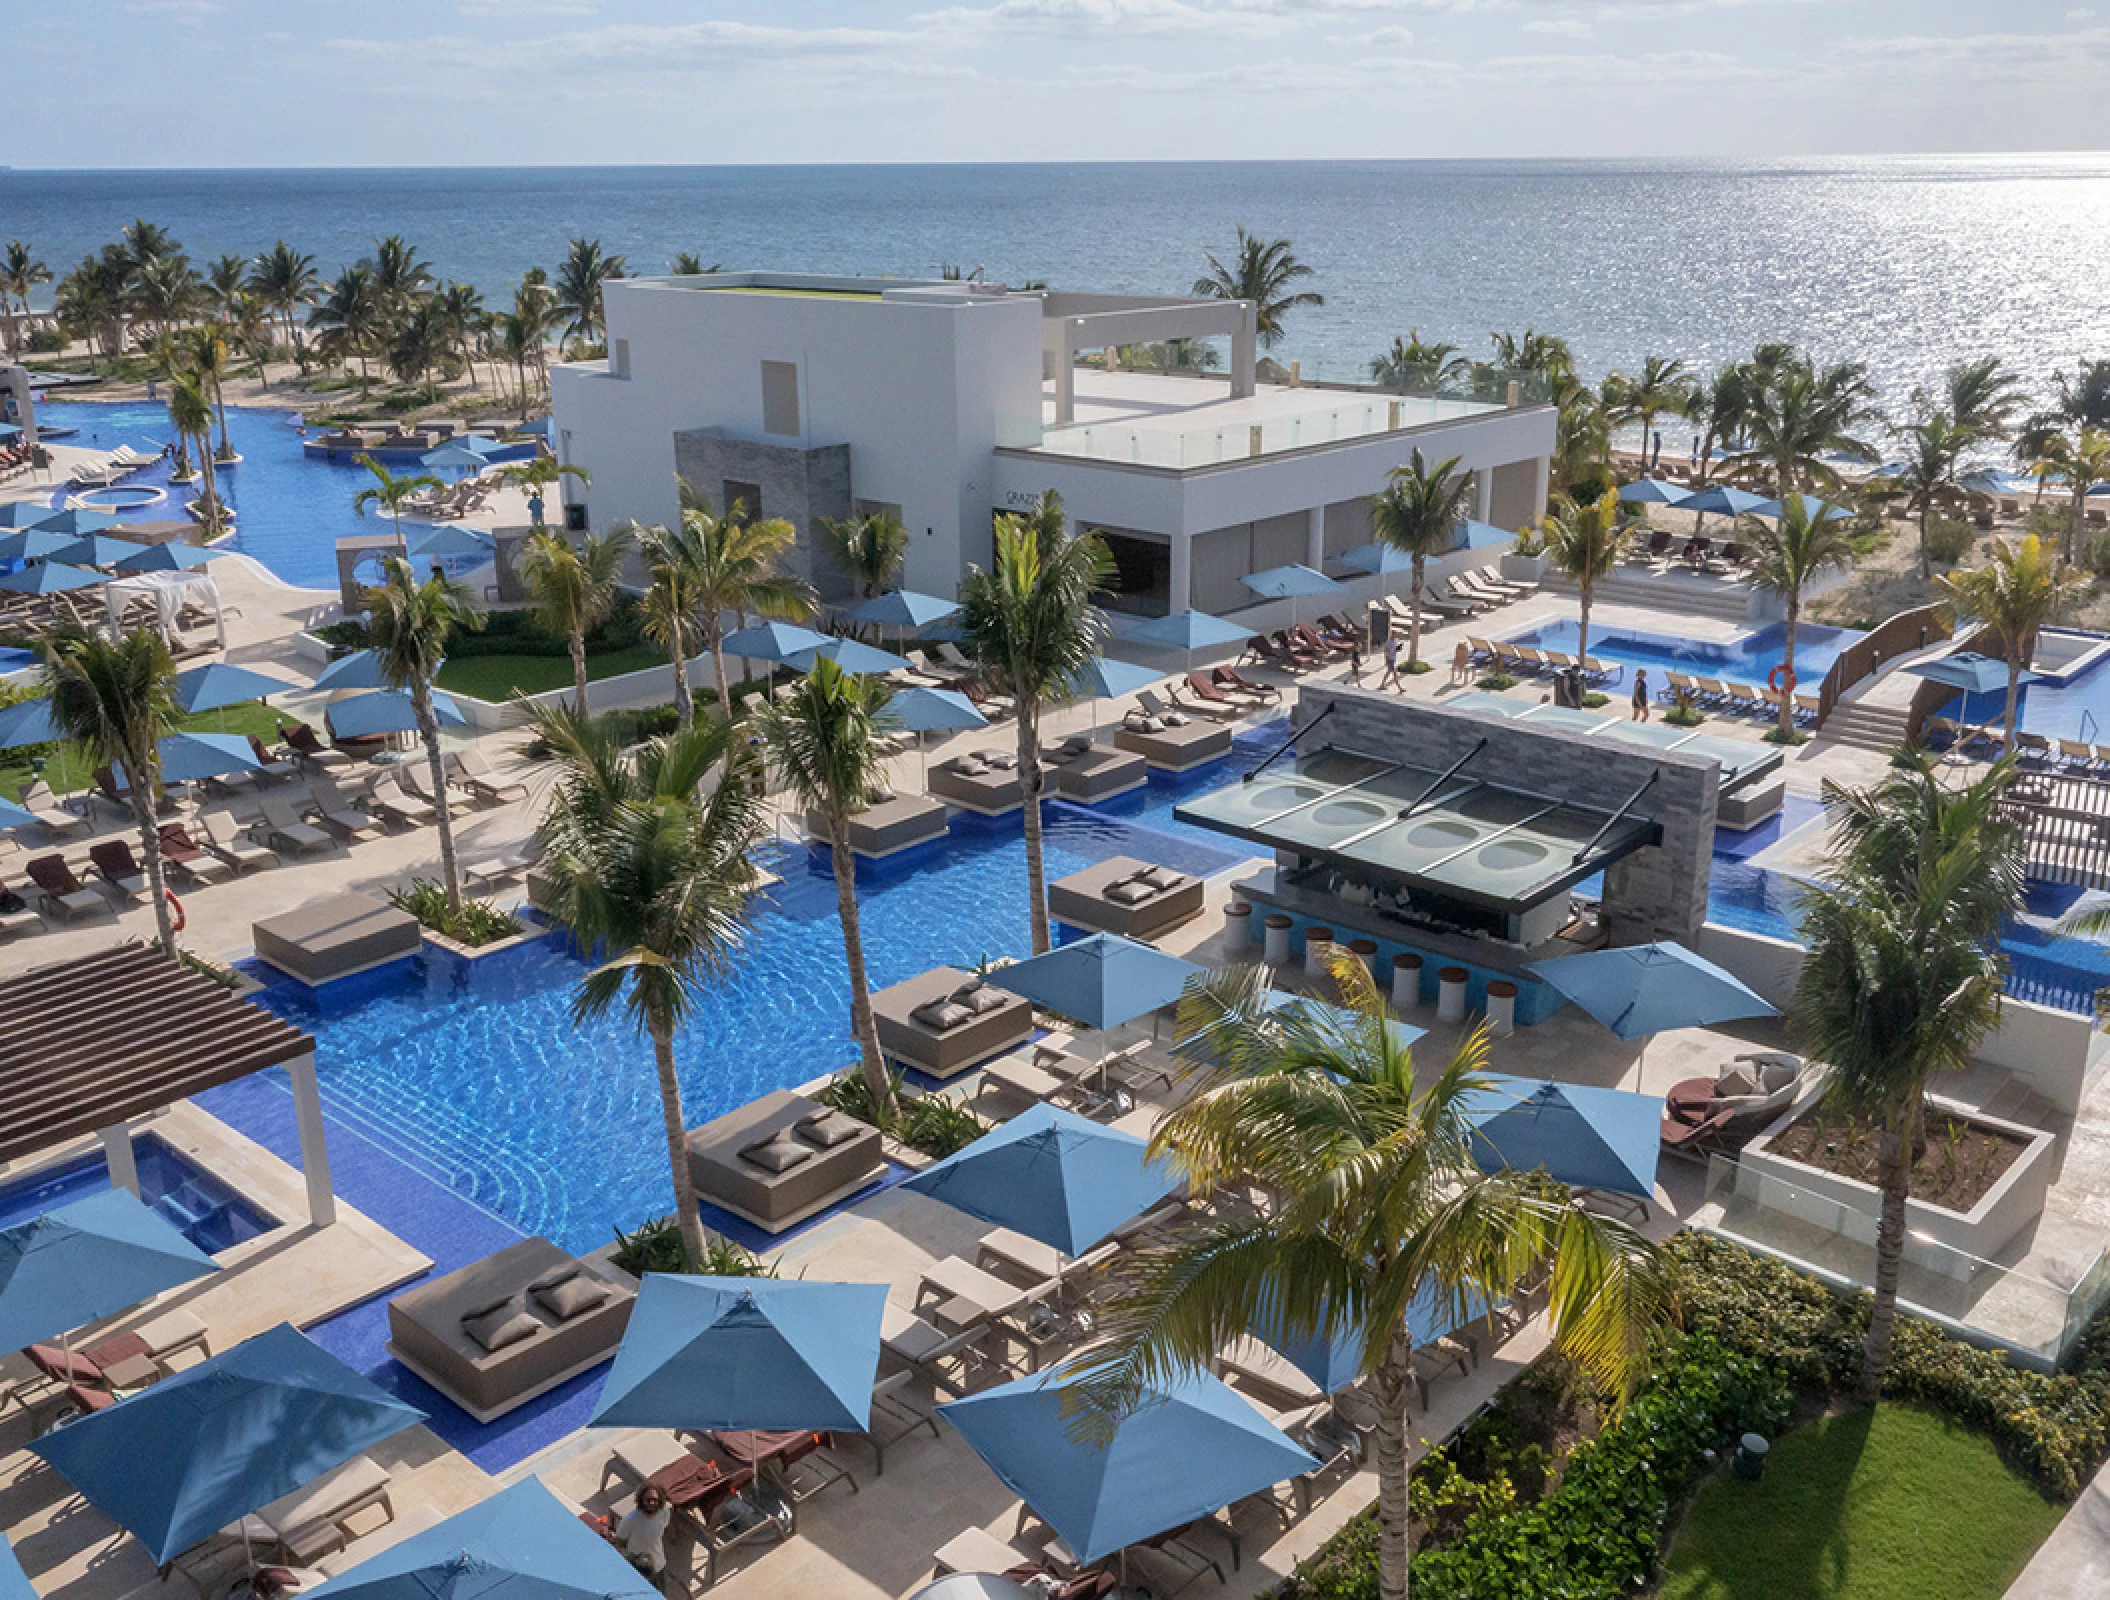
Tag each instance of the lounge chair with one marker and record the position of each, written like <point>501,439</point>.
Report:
<point>387,801</point>
<point>228,840</point>
<point>1599,672</point>
<point>16,914</point>
<point>308,747</point>
<point>1750,1092</point>
<point>500,865</point>
<point>340,813</point>
<point>1209,692</point>
<point>1230,678</point>
<point>116,866</point>
<point>63,892</point>
<point>472,770</point>
<point>273,768</point>
<point>284,830</point>
<point>1264,650</point>
<point>41,803</point>
<point>187,856</point>
<point>416,776</point>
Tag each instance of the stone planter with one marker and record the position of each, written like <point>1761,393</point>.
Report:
<point>1523,569</point>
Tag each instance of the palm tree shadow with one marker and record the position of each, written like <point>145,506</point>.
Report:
<point>1800,1516</point>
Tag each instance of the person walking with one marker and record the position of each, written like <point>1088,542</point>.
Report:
<point>1641,706</point>
<point>1462,663</point>
<point>1391,678</point>
<point>1355,663</point>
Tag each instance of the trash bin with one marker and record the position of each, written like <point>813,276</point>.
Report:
<point>1750,1458</point>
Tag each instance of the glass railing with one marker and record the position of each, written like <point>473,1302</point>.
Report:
<point>2035,1317</point>
<point>1169,445</point>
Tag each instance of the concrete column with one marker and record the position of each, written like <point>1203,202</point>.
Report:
<point>1245,352</point>
<point>1483,493</point>
<point>1066,377</point>
<point>1180,591</point>
<point>314,1148</point>
<point>117,1151</point>
<point>1315,539</point>
<point>1541,485</point>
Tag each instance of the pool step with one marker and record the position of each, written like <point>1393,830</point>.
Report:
<point>1726,602</point>
<point>1866,727</point>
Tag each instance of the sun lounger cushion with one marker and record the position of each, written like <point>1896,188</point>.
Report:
<point>998,760</point>
<point>1735,1081</point>
<point>943,1015</point>
<point>827,1129</point>
<point>1077,744</point>
<point>776,1154</point>
<point>970,766</point>
<point>1162,878</point>
<point>570,1296</point>
<point>495,1330</point>
<point>979,998</point>
<point>1130,893</point>
<point>1145,724</point>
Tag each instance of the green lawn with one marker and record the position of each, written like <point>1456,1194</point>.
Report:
<point>67,772</point>
<point>494,678</point>
<point>1893,1503</point>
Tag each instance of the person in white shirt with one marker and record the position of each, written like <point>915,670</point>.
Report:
<point>642,1533</point>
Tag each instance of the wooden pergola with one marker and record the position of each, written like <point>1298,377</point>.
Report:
<point>88,1045</point>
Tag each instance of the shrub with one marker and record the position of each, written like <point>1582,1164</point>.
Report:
<point>938,1125</point>
<point>1793,736</point>
<point>46,341</point>
<point>1594,699</point>
<point>1531,541</point>
<point>349,634</point>
<point>478,922</point>
<point>1416,667</point>
<point>1497,681</point>
<point>846,1092</point>
<point>656,1247</point>
<point>1684,714</point>
<point>1949,539</point>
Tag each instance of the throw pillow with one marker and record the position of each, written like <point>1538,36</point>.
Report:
<point>503,1327</point>
<point>776,1154</point>
<point>1130,893</point>
<point>573,1297</point>
<point>1736,1081</point>
<point>1161,877</point>
<point>828,1129</point>
<point>486,1308</point>
<point>555,1276</point>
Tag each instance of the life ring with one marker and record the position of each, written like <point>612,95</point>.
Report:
<point>177,920</point>
<point>1780,680</point>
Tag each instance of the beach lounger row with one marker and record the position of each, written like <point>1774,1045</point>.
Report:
<point>1736,699</point>
<point>1524,660</point>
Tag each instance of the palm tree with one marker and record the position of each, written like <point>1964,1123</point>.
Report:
<point>579,284</point>
<point>871,548</point>
<point>1800,415</point>
<point>116,699</point>
<point>225,282</point>
<point>401,277</point>
<point>688,264</point>
<point>203,351</point>
<point>1982,397</point>
<point>539,472</point>
<point>351,319</point>
<point>730,565</point>
<point>1417,514</point>
<point>1722,404</point>
<point>409,625</point>
<point>285,280</point>
<point>645,856</point>
<point>166,291</point>
<point>1582,443</point>
<point>1586,541</point>
<point>1032,630</point>
<point>1903,976</point>
<point>190,414</point>
<point>144,243</point>
<point>823,738</point>
<point>2082,458</point>
<point>1260,270</point>
<point>672,608</point>
<point>535,309</point>
<point>1927,475</point>
<point>1380,1204</point>
<point>91,300</point>
<point>574,589</point>
<point>2015,594</point>
<point>422,342</point>
<point>20,272</point>
<point>460,310</point>
<point>1664,387</point>
<point>1791,551</point>
<point>391,493</point>
<point>1411,364</point>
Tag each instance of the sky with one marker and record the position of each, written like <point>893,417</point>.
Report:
<point>217,83</point>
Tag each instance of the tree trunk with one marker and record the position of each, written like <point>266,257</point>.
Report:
<point>1414,621</point>
<point>1787,660</point>
<point>1582,627</point>
<point>429,731</point>
<point>364,377</point>
<point>725,691</point>
<point>578,672</point>
<point>212,486</point>
<point>684,702</point>
<point>1894,1152</point>
<point>2073,520</point>
<point>862,1026</point>
<point>1029,782</point>
<point>1926,559</point>
<point>219,402</point>
<point>142,784</point>
<point>1390,1385</point>
<point>395,515</point>
<point>2014,689</point>
<point>686,1217</point>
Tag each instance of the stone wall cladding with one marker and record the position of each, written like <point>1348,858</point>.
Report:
<point>1658,892</point>
<point>798,484</point>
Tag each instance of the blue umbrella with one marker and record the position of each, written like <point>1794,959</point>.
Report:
<point>1333,1359</point>
<point>362,669</point>
<point>25,514</point>
<point>74,523</point>
<point>852,655</point>
<point>1377,560</point>
<point>1723,499</point>
<point>1109,679</point>
<point>14,816</point>
<point>705,1354</point>
<point>93,549</point>
<point>521,1544</point>
<point>1189,1449</point>
<point>1290,582</point>
<point>1052,1175</point>
<point>1969,671</point>
<point>181,1460</point>
<point>28,723</point>
<point>1189,631</point>
<point>85,1260</point>
<point>388,711</point>
<point>194,757</point>
<point>1481,535</point>
<point>1815,509</point>
<point>455,453</point>
<point>904,608</point>
<point>1101,981</point>
<point>450,540</point>
<point>1584,1137</point>
<point>30,544</point>
<point>1653,492</point>
<point>14,1582</point>
<point>1339,1019</point>
<point>772,641</point>
<point>1637,990</point>
<point>51,577</point>
<point>220,683</point>
<point>925,710</point>
<point>170,557</point>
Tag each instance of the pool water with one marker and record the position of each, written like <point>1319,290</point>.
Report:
<point>473,1073</point>
<point>290,506</point>
<point>202,1208</point>
<point>1749,658</point>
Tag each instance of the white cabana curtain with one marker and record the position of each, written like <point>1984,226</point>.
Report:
<point>169,592</point>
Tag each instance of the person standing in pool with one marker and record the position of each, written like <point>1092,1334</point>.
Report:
<point>1640,695</point>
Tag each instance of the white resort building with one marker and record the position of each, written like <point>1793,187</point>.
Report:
<point>946,402</point>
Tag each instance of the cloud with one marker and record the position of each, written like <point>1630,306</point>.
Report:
<point>1560,27</point>
<point>526,8</point>
<point>188,12</point>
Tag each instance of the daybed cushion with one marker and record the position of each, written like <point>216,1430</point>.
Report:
<point>828,1129</point>
<point>943,1015</point>
<point>1132,893</point>
<point>912,1040</point>
<point>1094,899</point>
<point>1736,1081</point>
<point>779,1153</point>
<point>775,1200</point>
<point>571,1296</point>
<point>495,1330</point>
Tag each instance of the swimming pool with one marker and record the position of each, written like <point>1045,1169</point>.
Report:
<point>202,1208</point>
<point>472,1073</point>
<point>1748,658</point>
<point>290,506</point>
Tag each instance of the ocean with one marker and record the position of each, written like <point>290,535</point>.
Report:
<point>1907,264</point>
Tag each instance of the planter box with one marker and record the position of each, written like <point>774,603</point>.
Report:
<point>310,648</point>
<point>1523,569</point>
<point>2012,1205</point>
<point>652,686</point>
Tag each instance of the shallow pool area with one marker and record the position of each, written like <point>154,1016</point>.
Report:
<point>1747,658</point>
<point>197,1204</point>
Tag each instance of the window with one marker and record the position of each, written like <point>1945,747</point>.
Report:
<point>743,501</point>
<point>780,398</point>
<point>879,508</point>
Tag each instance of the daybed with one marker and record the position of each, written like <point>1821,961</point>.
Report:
<point>335,938</point>
<point>1084,772</point>
<point>890,825</point>
<point>984,782</point>
<point>1700,1115</point>
<point>1125,896</point>
<point>944,1022</point>
<point>514,1325</point>
<point>782,1158</point>
<point>1173,746</point>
